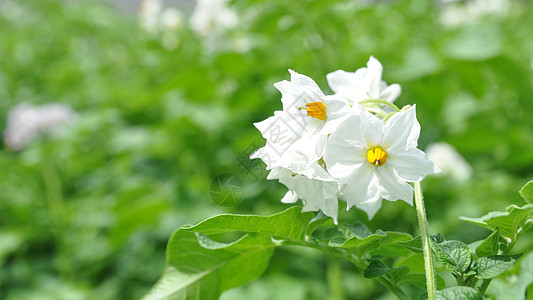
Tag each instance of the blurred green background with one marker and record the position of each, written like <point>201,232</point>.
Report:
<point>165,109</point>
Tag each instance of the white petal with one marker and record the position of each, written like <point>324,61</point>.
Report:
<point>361,186</point>
<point>315,194</point>
<point>278,172</point>
<point>342,158</point>
<point>372,127</point>
<point>341,81</point>
<point>292,95</point>
<point>330,207</point>
<point>375,69</point>
<point>411,165</point>
<point>290,197</point>
<point>344,150</point>
<point>336,111</point>
<point>313,143</point>
<point>391,93</point>
<point>298,92</point>
<point>264,125</point>
<point>391,187</point>
<point>371,208</point>
<point>304,81</point>
<point>313,170</point>
<point>402,130</point>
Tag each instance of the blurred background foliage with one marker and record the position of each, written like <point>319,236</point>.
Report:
<point>163,109</point>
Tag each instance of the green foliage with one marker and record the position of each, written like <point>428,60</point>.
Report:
<point>200,268</point>
<point>459,293</point>
<point>510,224</point>
<point>493,266</point>
<point>516,288</point>
<point>454,255</point>
<point>527,192</point>
<point>399,275</point>
<point>85,213</point>
<point>490,245</point>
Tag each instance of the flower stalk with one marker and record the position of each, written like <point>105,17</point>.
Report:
<point>379,101</point>
<point>431,281</point>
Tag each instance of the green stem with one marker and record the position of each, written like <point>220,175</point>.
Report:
<point>424,235</point>
<point>334,277</point>
<point>379,101</point>
<point>388,116</point>
<point>54,194</point>
<point>484,285</point>
<point>54,198</point>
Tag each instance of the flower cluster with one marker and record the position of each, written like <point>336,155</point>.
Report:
<point>25,122</point>
<point>354,145</point>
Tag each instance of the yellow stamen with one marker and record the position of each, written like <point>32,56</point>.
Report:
<point>376,156</point>
<point>316,110</point>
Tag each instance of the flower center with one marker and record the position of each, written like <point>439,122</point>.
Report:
<point>316,110</point>
<point>376,156</point>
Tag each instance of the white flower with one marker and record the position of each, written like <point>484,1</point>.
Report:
<point>149,15</point>
<point>459,14</point>
<point>315,194</point>
<point>210,16</point>
<point>363,84</point>
<point>449,160</point>
<point>26,121</point>
<point>296,136</point>
<point>374,160</point>
<point>172,19</point>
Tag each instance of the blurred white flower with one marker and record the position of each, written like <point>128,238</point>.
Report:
<point>449,160</point>
<point>363,84</point>
<point>26,121</point>
<point>213,16</point>
<point>159,22</point>
<point>296,136</point>
<point>374,160</point>
<point>149,15</point>
<point>172,19</point>
<point>315,194</point>
<point>456,14</point>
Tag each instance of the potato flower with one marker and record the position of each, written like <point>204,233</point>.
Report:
<point>296,136</point>
<point>373,160</point>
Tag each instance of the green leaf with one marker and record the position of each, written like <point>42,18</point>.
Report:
<point>502,290</point>
<point>489,246</point>
<point>199,267</point>
<point>493,266</point>
<point>414,245</point>
<point>509,222</point>
<point>288,224</point>
<point>458,293</point>
<point>454,255</point>
<point>315,223</point>
<point>390,246</point>
<point>361,242</point>
<point>195,272</point>
<point>527,192</point>
<point>377,268</point>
